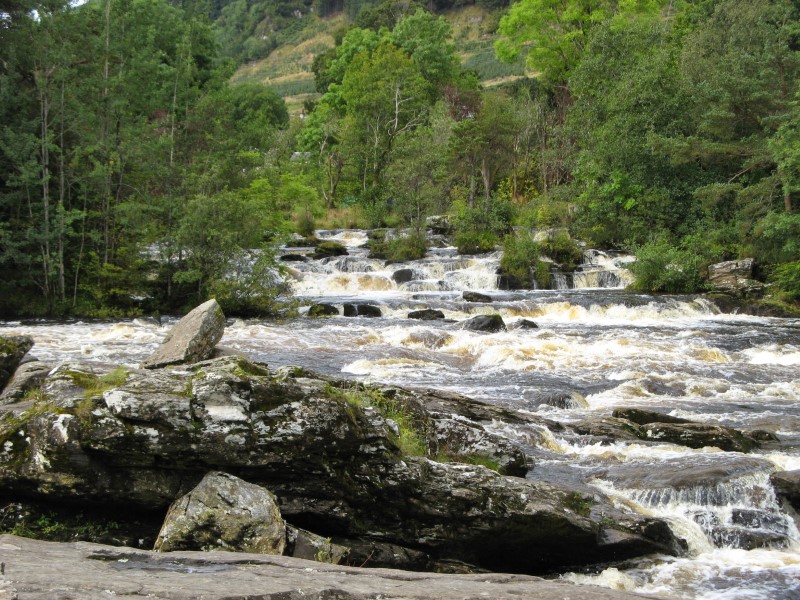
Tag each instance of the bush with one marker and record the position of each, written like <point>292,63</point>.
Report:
<point>521,262</point>
<point>786,278</point>
<point>564,250</point>
<point>475,242</point>
<point>407,247</point>
<point>662,267</point>
<point>776,238</point>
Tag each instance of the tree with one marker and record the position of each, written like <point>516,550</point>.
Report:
<point>553,33</point>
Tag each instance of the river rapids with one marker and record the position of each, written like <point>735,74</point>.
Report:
<point>597,347</point>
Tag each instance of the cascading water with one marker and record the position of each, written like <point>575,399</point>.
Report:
<point>593,351</point>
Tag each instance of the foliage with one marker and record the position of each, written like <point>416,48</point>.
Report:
<point>563,250</point>
<point>520,259</point>
<point>786,278</point>
<point>776,238</point>
<point>411,246</point>
<point>409,436</point>
<point>663,267</point>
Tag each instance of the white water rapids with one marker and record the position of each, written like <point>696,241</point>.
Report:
<point>600,348</point>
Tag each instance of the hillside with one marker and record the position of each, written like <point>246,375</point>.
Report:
<point>288,70</point>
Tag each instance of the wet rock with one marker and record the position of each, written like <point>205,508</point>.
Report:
<point>523,324</point>
<point>787,487</point>
<point>426,314</point>
<point>734,276</point>
<point>361,310</point>
<point>28,376</point>
<point>461,441</point>
<point>476,297</point>
<point>327,452</point>
<point>403,276</point>
<point>192,339</point>
<point>323,310</point>
<point>310,546</point>
<point>35,569</point>
<point>508,282</point>
<point>294,258</point>
<point>566,400</point>
<point>642,416</point>
<point>699,435</point>
<point>224,513</point>
<point>485,323</point>
<point>608,429</point>
<point>12,350</point>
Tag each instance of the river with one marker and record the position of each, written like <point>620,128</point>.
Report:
<point>595,349</point>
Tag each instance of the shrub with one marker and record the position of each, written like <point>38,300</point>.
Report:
<point>520,259</point>
<point>786,278</point>
<point>407,247</point>
<point>564,250</point>
<point>662,267</point>
<point>475,242</point>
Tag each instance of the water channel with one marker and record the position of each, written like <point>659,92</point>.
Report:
<point>595,349</point>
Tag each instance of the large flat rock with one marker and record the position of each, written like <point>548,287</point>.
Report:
<point>47,570</point>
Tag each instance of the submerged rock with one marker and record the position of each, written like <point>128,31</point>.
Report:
<point>523,324</point>
<point>225,513</point>
<point>192,339</point>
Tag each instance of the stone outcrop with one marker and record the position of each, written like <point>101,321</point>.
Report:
<point>333,454</point>
<point>646,425</point>
<point>28,376</point>
<point>225,513</point>
<point>734,277</point>
<point>485,323</point>
<point>12,350</point>
<point>787,487</point>
<point>192,339</point>
<point>35,569</point>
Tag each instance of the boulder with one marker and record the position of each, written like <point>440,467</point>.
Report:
<point>523,324</point>
<point>485,323</point>
<point>294,258</point>
<point>460,441</point>
<point>310,546</point>
<point>476,297</point>
<point>440,224</point>
<point>403,276</point>
<point>38,570</point>
<point>787,487</point>
<point>323,310</point>
<point>192,339</point>
<point>28,376</point>
<point>224,513</point>
<point>734,276</point>
<point>567,400</point>
<point>361,310</point>
<point>332,452</point>
<point>12,350</point>
<point>426,314</point>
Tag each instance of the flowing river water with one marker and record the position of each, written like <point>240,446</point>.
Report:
<point>595,349</point>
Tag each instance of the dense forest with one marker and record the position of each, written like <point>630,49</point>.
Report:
<point>135,177</point>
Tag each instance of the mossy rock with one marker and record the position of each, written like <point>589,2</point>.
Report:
<point>327,249</point>
<point>323,310</point>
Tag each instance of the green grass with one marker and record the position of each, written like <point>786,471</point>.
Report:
<point>411,439</point>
